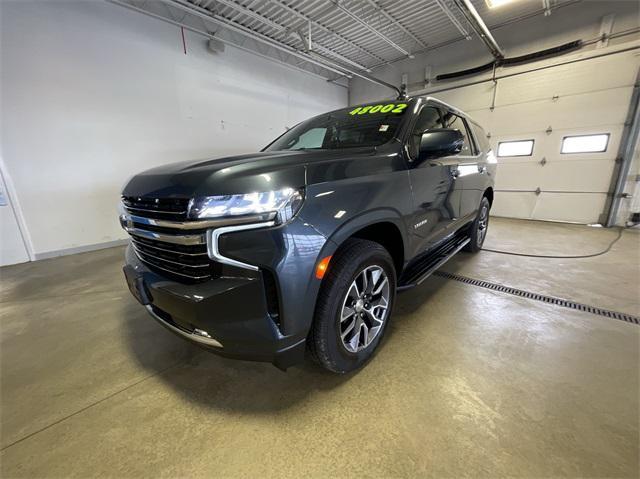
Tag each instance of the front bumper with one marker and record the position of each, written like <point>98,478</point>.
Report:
<point>226,315</point>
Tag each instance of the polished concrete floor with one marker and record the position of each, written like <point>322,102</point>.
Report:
<point>469,382</point>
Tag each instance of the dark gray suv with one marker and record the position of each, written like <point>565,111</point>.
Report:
<point>303,246</point>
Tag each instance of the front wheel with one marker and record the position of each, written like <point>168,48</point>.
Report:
<point>479,227</point>
<point>354,305</point>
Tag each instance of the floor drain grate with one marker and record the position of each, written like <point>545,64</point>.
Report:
<point>541,297</point>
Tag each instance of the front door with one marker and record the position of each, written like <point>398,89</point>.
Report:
<point>436,190</point>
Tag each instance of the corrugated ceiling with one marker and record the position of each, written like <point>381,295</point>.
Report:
<point>356,34</point>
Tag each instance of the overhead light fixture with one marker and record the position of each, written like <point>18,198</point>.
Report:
<point>497,3</point>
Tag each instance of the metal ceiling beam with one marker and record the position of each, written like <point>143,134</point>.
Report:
<point>287,33</point>
<point>476,22</point>
<point>396,23</point>
<point>325,29</point>
<point>207,34</point>
<point>342,58</point>
<point>311,57</point>
<point>370,78</point>
<point>250,13</point>
<point>380,35</point>
<point>434,47</point>
<point>445,9</point>
<point>219,20</point>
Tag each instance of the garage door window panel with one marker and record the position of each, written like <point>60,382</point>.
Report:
<point>515,148</point>
<point>585,143</point>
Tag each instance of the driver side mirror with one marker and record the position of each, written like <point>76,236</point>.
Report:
<point>440,142</point>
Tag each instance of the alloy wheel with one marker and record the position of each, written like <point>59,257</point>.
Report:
<point>483,223</point>
<point>365,308</point>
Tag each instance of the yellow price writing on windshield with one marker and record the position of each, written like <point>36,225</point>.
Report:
<point>388,108</point>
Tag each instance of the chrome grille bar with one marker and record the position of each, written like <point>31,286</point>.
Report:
<point>199,224</point>
<point>144,245</point>
<point>129,208</point>
<point>153,265</point>
<point>160,258</point>
<point>165,238</point>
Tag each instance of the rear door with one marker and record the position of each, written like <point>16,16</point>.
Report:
<point>436,192</point>
<point>471,168</point>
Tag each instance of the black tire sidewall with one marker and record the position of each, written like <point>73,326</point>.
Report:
<point>473,245</point>
<point>341,359</point>
<point>483,204</point>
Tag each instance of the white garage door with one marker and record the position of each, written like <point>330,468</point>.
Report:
<point>582,98</point>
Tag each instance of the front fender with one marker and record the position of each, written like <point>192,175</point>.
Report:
<point>368,218</point>
<point>340,208</point>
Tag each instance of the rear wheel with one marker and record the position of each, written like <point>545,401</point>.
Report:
<point>354,305</point>
<point>479,227</point>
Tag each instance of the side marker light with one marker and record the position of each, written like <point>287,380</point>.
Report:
<point>322,266</point>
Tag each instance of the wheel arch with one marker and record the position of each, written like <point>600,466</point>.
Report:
<point>488,194</point>
<point>384,227</point>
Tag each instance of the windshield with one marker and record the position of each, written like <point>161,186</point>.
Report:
<point>355,127</point>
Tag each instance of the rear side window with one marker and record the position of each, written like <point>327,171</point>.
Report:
<point>481,137</point>
<point>455,122</point>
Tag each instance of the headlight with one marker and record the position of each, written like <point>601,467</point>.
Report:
<point>280,205</point>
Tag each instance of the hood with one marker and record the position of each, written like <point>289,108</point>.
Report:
<point>265,171</point>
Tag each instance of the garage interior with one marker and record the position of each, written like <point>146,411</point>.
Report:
<point>518,364</point>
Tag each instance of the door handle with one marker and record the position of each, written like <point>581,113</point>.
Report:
<point>482,168</point>
<point>455,173</point>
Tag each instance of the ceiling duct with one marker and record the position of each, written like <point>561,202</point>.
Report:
<point>529,57</point>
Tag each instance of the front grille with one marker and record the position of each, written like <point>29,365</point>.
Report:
<point>175,209</point>
<point>158,255</point>
<point>168,249</point>
<point>186,262</point>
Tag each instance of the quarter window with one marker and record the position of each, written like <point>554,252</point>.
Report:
<point>481,137</point>
<point>585,143</point>
<point>515,148</point>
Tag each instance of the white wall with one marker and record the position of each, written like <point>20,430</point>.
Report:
<point>93,93</point>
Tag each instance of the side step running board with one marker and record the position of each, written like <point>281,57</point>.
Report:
<point>425,267</point>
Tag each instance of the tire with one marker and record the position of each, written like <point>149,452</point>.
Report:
<point>355,260</point>
<point>479,227</point>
